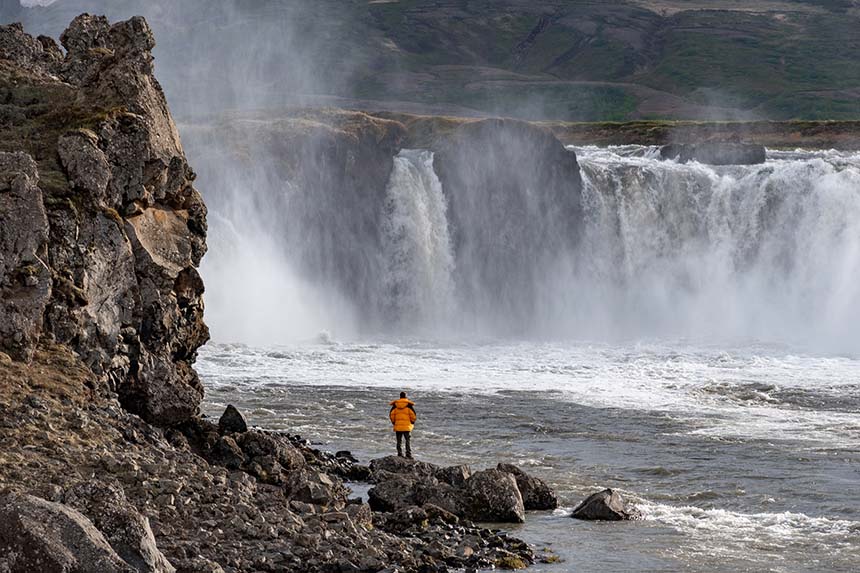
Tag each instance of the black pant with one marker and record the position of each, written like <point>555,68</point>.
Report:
<point>400,437</point>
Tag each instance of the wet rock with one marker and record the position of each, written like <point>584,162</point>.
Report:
<point>232,421</point>
<point>346,455</point>
<point>39,535</point>
<point>493,496</point>
<point>537,495</point>
<point>606,505</point>
<point>715,152</point>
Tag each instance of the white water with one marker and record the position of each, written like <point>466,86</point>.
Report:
<point>419,287</point>
<point>767,253</point>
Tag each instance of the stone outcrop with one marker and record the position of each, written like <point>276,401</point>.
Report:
<point>606,505</point>
<point>102,229</point>
<point>490,495</point>
<point>715,152</point>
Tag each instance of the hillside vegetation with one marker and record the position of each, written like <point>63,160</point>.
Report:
<point>574,60</point>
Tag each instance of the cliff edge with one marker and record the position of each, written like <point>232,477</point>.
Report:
<point>101,229</point>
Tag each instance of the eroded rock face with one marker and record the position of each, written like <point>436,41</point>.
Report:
<point>102,229</point>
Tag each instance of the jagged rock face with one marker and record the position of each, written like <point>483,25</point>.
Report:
<point>108,229</point>
<point>25,280</point>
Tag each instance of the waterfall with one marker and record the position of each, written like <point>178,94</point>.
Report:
<point>645,248</point>
<point>418,286</point>
<point>768,252</point>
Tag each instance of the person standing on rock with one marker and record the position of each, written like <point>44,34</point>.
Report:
<point>402,416</point>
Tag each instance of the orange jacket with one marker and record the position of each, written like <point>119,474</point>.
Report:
<point>402,415</point>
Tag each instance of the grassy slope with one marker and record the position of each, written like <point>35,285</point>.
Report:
<point>562,59</point>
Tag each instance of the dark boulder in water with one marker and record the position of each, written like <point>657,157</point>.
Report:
<point>715,153</point>
<point>232,421</point>
<point>494,496</point>
<point>536,493</point>
<point>606,505</point>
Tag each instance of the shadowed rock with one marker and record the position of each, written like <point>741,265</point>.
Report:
<point>232,421</point>
<point>494,496</point>
<point>128,532</point>
<point>39,535</point>
<point>606,505</point>
<point>536,493</point>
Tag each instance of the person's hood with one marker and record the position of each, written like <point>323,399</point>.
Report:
<point>402,403</point>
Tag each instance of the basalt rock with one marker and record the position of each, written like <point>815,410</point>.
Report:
<point>493,496</point>
<point>102,229</point>
<point>126,530</point>
<point>715,152</point>
<point>536,493</point>
<point>25,279</point>
<point>606,505</point>
<point>232,421</point>
<point>489,495</point>
<point>39,535</point>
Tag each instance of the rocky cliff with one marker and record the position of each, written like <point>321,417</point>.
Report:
<point>104,464</point>
<point>101,229</point>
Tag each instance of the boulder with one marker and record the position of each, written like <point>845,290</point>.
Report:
<point>232,421</point>
<point>454,475</point>
<point>391,492</point>
<point>127,531</point>
<point>39,535</point>
<point>493,496</point>
<point>606,505</point>
<point>537,495</point>
<point>715,152</point>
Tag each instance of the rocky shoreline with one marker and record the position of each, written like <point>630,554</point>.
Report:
<point>105,463</point>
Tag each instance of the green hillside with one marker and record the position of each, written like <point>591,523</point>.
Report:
<point>569,60</point>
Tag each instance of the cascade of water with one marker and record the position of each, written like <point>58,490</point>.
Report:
<point>660,249</point>
<point>416,245</point>
<point>769,251</point>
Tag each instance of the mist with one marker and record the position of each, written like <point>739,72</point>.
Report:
<point>329,224</point>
